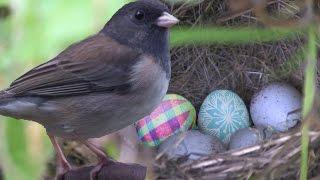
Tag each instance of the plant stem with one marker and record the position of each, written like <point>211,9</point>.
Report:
<point>309,95</point>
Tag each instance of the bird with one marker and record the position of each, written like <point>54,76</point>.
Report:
<point>101,84</point>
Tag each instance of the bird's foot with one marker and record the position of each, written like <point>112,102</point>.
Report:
<point>104,160</point>
<point>63,167</point>
<point>96,170</point>
<point>60,175</point>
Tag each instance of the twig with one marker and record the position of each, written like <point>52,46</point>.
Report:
<point>236,153</point>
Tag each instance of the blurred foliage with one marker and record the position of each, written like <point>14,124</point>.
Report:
<point>112,150</point>
<point>37,30</point>
<point>4,11</point>
<point>207,35</point>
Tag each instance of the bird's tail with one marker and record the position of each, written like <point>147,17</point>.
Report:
<point>5,99</point>
<point>19,107</point>
<point>5,96</point>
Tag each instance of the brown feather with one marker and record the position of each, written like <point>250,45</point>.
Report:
<point>95,64</point>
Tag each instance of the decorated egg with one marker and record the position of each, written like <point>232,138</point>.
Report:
<point>192,144</point>
<point>222,113</point>
<point>175,114</point>
<point>246,137</point>
<point>278,106</point>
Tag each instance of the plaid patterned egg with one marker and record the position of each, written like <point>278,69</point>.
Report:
<point>222,113</point>
<point>175,114</point>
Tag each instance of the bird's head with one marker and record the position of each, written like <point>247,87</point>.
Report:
<point>142,24</point>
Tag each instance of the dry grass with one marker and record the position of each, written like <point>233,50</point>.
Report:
<point>198,70</point>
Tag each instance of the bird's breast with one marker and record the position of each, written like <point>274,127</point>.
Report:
<point>150,82</point>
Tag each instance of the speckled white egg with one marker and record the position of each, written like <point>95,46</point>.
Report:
<point>222,113</point>
<point>278,106</point>
<point>193,144</point>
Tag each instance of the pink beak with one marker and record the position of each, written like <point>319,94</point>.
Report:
<point>166,20</point>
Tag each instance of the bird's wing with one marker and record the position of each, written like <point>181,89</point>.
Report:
<point>94,65</point>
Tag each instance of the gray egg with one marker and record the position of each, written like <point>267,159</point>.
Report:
<point>266,131</point>
<point>193,144</point>
<point>246,137</point>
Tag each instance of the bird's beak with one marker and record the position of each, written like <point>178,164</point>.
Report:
<point>166,20</point>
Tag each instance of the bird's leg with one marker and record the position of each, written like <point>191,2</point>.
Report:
<point>62,164</point>
<point>102,156</point>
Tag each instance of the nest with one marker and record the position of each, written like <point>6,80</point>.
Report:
<point>275,159</point>
<point>244,69</point>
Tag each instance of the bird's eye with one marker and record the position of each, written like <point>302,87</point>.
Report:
<point>139,15</point>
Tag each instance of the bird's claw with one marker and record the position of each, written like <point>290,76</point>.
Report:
<point>96,170</point>
<point>63,169</point>
<point>60,176</point>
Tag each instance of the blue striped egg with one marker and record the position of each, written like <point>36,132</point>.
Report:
<point>222,113</point>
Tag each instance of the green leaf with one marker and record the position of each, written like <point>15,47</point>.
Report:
<point>206,35</point>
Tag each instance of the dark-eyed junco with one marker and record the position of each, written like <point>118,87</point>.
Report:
<point>101,84</point>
